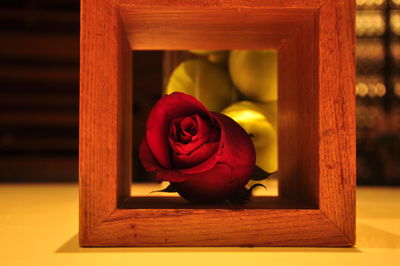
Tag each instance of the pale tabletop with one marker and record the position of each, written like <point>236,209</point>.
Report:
<point>39,226</point>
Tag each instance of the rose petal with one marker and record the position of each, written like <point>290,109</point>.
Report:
<point>211,186</point>
<point>214,135</point>
<point>146,157</point>
<point>204,129</point>
<point>204,166</point>
<point>173,129</point>
<point>183,148</point>
<point>197,156</point>
<point>206,132</point>
<point>157,128</point>
<point>171,176</point>
<point>187,124</point>
<point>236,148</point>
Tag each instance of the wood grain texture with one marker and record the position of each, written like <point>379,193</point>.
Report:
<point>104,159</point>
<point>298,115</point>
<point>258,202</point>
<point>316,122</point>
<point>162,28</point>
<point>216,227</point>
<point>337,127</point>
<point>191,4</point>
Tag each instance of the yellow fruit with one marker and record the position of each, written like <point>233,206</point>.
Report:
<point>270,110</point>
<point>255,73</point>
<point>208,82</point>
<point>259,121</point>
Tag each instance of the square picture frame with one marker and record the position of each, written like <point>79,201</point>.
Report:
<point>316,123</point>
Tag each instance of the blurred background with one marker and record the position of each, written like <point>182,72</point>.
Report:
<point>39,90</point>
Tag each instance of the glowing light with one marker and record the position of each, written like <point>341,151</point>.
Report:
<point>397,89</point>
<point>362,89</point>
<point>371,90</point>
<point>395,50</point>
<point>380,89</point>
<point>370,23</point>
<point>395,22</point>
<point>369,2</point>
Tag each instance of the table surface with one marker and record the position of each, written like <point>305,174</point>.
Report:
<point>39,226</point>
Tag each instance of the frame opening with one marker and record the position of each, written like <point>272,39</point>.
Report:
<point>293,36</point>
<point>201,74</point>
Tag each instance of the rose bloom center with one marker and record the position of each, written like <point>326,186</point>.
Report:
<point>193,140</point>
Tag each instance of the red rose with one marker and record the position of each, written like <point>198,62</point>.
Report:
<point>207,156</point>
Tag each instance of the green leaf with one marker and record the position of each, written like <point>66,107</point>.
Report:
<point>259,174</point>
<point>244,195</point>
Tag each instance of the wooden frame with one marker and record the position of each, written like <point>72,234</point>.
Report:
<point>315,42</point>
